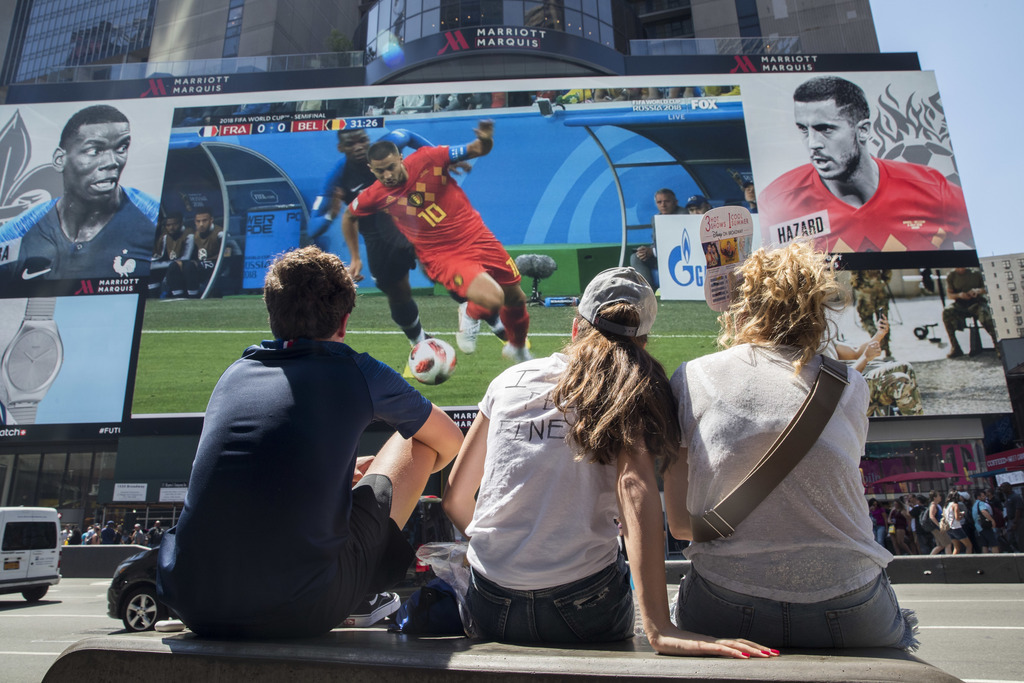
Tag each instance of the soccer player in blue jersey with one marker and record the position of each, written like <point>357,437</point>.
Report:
<point>98,229</point>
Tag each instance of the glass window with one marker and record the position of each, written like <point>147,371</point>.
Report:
<point>591,29</point>
<point>490,12</point>
<point>26,477</point>
<point>573,22</point>
<point>30,536</point>
<point>512,10</point>
<point>104,466</point>
<point>431,21</point>
<point>1012,286</point>
<point>412,27</point>
<point>231,46</point>
<point>50,479</point>
<point>77,480</point>
<point>373,27</point>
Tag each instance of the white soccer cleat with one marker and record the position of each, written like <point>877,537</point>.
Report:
<point>469,328</point>
<point>517,354</point>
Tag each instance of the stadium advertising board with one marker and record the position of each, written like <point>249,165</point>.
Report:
<point>575,175</point>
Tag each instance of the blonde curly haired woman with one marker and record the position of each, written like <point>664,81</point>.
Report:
<point>803,569</point>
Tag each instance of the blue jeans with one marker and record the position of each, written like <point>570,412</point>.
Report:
<point>593,609</point>
<point>880,531</point>
<point>865,617</point>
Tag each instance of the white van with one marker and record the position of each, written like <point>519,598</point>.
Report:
<point>29,550</point>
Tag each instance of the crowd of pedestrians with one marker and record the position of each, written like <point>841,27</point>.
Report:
<point>112,533</point>
<point>957,522</point>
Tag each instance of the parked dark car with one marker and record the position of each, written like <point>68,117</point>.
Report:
<point>132,593</point>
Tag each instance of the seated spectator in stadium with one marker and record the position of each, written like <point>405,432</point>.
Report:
<point>802,569</point>
<point>697,205</point>
<point>173,247</point>
<point>645,259</point>
<point>191,276</point>
<point>279,444</point>
<point>750,196</point>
<point>543,545</point>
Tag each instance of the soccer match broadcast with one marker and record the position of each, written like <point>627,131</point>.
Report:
<point>474,216</point>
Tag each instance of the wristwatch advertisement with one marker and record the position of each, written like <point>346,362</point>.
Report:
<point>32,360</point>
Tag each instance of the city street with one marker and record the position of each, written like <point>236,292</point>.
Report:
<point>971,631</point>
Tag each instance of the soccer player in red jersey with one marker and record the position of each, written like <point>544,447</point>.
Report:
<point>855,201</point>
<point>452,243</point>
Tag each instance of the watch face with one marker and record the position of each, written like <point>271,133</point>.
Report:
<point>32,360</point>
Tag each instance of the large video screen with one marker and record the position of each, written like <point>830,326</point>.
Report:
<point>582,176</point>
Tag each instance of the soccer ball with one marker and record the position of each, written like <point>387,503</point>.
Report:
<point>432,361</point>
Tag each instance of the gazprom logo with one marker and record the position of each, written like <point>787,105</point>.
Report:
<point>682,272</point>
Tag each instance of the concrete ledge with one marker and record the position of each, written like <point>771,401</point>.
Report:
<point>1001,568</point>
<point>94,561</point>
<point>374,654</point>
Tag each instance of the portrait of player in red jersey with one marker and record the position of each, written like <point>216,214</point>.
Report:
<point>453,244</point>
<point>849,200</point>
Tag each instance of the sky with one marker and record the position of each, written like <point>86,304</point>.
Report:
<point>973,48</point>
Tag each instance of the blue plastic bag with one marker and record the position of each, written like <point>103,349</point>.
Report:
<point>432,610</point>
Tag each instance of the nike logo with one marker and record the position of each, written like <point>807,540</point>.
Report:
<point>25,275</point>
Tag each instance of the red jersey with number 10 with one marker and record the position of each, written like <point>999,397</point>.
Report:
<point>430,209</point>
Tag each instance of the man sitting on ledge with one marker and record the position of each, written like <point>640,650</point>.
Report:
<point>274,541</point>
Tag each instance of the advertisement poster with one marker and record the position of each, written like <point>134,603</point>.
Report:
<point>226,181</point>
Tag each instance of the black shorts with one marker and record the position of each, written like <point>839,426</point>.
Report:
<point>389,254</point>
<point>375,557</point>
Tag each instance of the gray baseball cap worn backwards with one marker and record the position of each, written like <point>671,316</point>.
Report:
<point>619,285</point>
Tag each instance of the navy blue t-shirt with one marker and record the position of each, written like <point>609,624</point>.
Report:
<point>267,510</point>
<point>122,249</point>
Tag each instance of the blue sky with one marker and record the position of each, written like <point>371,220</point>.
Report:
<point>974,49</point>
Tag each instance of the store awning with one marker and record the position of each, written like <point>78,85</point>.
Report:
<point>914,476</point>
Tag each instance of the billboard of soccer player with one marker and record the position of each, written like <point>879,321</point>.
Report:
<point>863,164</point>
<point>571,180</point>
<point>569,172</point>
<point>78,211</point>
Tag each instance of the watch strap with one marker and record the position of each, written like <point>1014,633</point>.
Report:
<point>24,413</point>
<point>40,308</point>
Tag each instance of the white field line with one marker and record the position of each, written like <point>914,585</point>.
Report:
<point>399,332</point>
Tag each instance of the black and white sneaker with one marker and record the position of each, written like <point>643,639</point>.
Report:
<point>372,610</point>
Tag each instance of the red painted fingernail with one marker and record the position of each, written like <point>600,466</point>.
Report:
<point>775,652</point>
<point>745,654</point>
<point>766,652</point>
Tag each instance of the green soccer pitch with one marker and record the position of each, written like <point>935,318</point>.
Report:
<point>186,345</point>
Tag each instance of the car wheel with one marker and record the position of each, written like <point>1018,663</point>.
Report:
<point>141,610</point>
<point>35,594</point>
